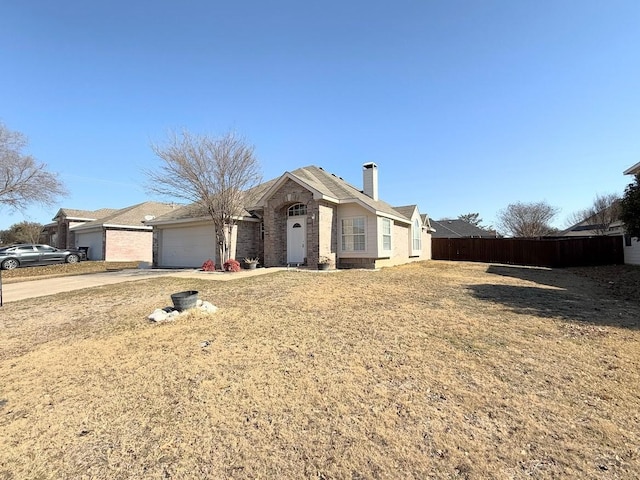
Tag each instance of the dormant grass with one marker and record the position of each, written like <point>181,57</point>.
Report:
<point>429,370</point>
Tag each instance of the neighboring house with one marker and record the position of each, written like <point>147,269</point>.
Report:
<point>635,170</point>
<point>60,232</point>
<point>632,244</point>
<point>595,226</point>
<point>108,234</point>
<point>456,228</point>
<point>295,219</point>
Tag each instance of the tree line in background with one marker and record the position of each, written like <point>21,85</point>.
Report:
<point>22,232</point>
<point>215,172</point>
<point>534,219</point>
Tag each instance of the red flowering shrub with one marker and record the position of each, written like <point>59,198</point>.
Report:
<point>209,266</point>
<point>231,265</point>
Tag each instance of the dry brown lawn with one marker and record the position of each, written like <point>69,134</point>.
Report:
<point>62,269</point>
<point>429,370</point>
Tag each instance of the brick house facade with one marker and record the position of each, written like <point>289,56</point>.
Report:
<point>298,218</point>
<point>107,234</point>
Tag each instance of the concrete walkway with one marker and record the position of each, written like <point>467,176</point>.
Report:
<point>13,292</point>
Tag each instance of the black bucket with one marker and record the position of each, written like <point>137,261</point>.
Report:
<point>185,300</point>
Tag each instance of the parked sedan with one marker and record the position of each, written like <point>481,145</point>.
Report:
<point>24,255</point>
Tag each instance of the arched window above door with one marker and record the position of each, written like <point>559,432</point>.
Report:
<point>297,209</point>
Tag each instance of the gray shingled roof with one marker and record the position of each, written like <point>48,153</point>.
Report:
<point>406,210</point>
<point>458,228</point>
<point>184,212</point>
<point>86,214</point>
<point>194,210</point>
<point>313,177</point>
<point>333,186</point>
<point>133,216</point>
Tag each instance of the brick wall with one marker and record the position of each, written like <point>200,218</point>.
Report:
<point>248,242</point>
<point>129,245</point>
<point>62,240</point>
<point>275,222</point>
<point>322,233</point>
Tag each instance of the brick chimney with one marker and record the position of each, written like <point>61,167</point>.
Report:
<point>370,180</point>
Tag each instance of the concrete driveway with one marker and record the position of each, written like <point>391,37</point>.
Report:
<point>13,292</point>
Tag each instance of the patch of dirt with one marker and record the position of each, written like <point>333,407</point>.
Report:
<point>620,281</point>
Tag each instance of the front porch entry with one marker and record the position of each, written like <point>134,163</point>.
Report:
<point>296,239</point>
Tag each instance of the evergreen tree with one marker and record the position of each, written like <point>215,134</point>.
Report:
<point>630,208</point>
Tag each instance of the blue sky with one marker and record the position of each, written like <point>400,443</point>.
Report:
<point>466,106</point>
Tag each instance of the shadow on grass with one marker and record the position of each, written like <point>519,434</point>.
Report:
<point>544,276</point>
<point>570,298</point>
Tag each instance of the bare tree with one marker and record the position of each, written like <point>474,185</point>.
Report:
<point>23,180</point>
<point>604,211</point>
<point>527,219</point>
<point>212,172</point>
<point>576,217</point>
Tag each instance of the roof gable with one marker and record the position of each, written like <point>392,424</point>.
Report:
<point>86,215</point>
<point>275,185</point>
<point>330,187</point>
<point>407,211</point>
<point>323,186</point>
<point>133,216</point>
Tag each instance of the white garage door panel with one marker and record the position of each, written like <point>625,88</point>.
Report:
<point>187,246</point>
<point>93,240</point>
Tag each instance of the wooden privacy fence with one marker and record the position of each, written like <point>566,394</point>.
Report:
<point>552,252</point>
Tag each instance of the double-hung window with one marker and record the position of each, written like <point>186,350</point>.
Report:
<point>353,236</point>
<point>386,234</point>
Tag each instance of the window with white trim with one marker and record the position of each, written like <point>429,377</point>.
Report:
<point>417,236</point>
<point>386,234</point>
<point>353,234</point>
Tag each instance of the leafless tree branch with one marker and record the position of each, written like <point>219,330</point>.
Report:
<point>23,180</point>
<point>527,219</point>
<point>603,212</point>
<point>212,172</point>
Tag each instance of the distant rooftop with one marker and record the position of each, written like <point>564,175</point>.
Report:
<point>456,228</point>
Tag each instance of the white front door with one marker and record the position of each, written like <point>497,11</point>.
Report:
<point>296,239</point>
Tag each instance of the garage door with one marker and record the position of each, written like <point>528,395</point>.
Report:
<point>93,240</point>
<point>186,246</point>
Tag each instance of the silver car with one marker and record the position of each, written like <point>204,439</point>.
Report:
<point>24,255</point>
